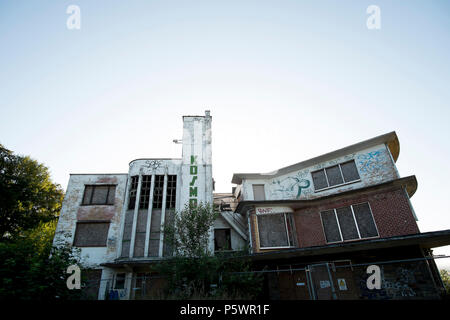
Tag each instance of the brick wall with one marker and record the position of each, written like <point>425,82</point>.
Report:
<point>390,209</point>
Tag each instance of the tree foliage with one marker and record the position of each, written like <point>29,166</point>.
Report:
<point>28,197</point>
<point>445,276</point>
<point>196,273</point>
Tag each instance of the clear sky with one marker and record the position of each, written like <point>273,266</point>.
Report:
<point>284,80</point>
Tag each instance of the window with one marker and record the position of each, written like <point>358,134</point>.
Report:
<point>91,234</point>
<point>335,175</point>
<point>133,191</point>
<point>171,191</point>
<point>145,192</point>
<point>349,223</point>
<point>222,239</point>
<point>99,194</point>
<point>258,192</point>
<point>120,281</point>
<point>158,192</point>
<point>275,230</point>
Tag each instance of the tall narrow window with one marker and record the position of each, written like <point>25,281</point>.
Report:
<point>335,175</point>
<point>258,192</point>
<point>158,192</point>
<point>133,192</point>
<point>171,191</point>
<point>99,195</point>
<point>145,192</point>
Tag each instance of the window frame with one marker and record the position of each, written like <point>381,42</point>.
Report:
<point>342,176</point>
<point>354,219</point>
<point>293,244</point>
<point>91,222</point>
<point>92,194</point>
<point>229,233</point>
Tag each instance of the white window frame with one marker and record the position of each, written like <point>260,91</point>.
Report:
<point>354,219</point>
<point>342,176</point>
<point>285,228</point>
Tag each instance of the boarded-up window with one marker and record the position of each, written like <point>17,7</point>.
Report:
<point>222,239</point>
<point>365,220</point>
<point>335,175</point>
<point>274,231</point>
<point>133,192</point>
<point>330,226</point>
<point>99,194</point>
<point>91,234</point>
<point>145,192</point>
<point>258,192</point>
<point>349,223</point>
<point>319,179</point>
<point>349,171</point>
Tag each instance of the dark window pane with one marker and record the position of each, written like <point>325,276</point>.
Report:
<point>171,191</point>
<point>272,230</point>
<point>349,171</point>
<point>145,192</point>
<point>222,239</point>
<point>319,180</point>
<point>334,175</point>
<point>347,223</point>
<point>158,192</point>
<point>120,281</point>
<point>330,226</point>
<point>91,234</point>
<point>87,194</point>
<point>112,194</point>
<point>100,195</point>
<point>365,221</point>
<point>133,192</point>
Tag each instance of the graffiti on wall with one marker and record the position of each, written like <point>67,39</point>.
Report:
<point>291,187</point>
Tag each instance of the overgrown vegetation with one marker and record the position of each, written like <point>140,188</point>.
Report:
<point>445,276</point>
<point>194,272</point>
<point>30,267</point>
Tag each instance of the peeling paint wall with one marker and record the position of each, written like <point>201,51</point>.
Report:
<point>73,211</point>
<point>374,166</point>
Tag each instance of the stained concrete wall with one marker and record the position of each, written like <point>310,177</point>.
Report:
<point>375,166</point>
<point>72,211</point>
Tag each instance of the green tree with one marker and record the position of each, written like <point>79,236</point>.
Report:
<point>28,197</point>
<point>445,276</point>
<point>196,273</point>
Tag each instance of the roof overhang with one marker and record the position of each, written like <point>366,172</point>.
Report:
<point>409,183</point>
<point>424,240</point>
<point>389,139</point>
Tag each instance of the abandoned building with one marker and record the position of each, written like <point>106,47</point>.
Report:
<point>311,228</point>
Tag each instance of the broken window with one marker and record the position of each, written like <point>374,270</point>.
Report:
<point>171,191</point>
<point>158,192</point>
<point>258,192</point>
<point>91,234</point>
<point>275,230</point>
<point>335,175</point>
<point>133,191</point>
<point>99,194</point>
<point>145,192</point>
<point>222,239</point>
<point>349,223</point>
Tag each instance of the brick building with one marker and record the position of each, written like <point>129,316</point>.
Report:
<point>312,227</point>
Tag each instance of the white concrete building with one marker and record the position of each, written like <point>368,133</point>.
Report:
<point>116,219</point>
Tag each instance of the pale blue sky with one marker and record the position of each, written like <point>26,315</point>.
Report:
<point>284,80</point>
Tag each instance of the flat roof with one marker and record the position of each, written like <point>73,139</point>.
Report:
<point>390,139</point>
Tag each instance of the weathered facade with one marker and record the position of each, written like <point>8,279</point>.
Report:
<point>313,227</point>
<point>323,221</point>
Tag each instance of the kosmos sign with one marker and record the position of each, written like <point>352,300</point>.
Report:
<point>193,191</point>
